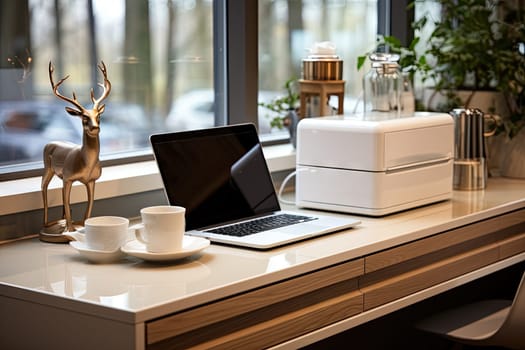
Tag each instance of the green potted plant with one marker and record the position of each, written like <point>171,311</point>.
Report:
<point>284,109</point>
<point>475,46</point>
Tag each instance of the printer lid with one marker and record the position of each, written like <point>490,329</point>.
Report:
<point>375,144</point>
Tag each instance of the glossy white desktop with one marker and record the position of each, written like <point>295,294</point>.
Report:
<point>51,297</point>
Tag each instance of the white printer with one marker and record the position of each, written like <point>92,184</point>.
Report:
<point>374,165</point>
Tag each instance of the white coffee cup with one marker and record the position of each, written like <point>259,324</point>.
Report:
<point>106,233</point>
<point>162,229</point>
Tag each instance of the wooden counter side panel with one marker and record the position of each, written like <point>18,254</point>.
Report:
<point>393,287</point>
<point>215,312</point>
<point>429,245</point>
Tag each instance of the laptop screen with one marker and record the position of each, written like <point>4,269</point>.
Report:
<point>218,175</point>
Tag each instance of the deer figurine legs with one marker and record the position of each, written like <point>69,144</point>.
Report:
<point>90,188</point>
<point>66,195</point>
<point>56,228</point>
<point>46,178</point>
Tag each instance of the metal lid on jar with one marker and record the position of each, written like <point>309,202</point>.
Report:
<point>322,58</point>
<point>382,58</point>
<point>322,63</point>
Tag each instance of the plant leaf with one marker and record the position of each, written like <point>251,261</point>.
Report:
<point>361,61</point>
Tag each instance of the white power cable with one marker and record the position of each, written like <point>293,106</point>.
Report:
<point>283,185</point>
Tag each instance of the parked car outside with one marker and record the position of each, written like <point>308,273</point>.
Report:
<point>27,126</point>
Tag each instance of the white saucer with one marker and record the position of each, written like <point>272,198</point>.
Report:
<point>97,256</point>
<point>190,246</point>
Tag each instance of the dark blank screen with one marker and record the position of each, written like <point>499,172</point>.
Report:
<point>218,175</point>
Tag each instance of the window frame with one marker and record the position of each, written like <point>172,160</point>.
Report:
<point>236,61</point>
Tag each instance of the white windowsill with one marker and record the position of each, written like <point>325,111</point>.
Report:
<point>25,194</point>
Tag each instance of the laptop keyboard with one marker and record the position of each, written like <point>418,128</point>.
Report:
<point>260,225</point>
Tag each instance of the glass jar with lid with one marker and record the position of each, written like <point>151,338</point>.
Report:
<point>383,85</point>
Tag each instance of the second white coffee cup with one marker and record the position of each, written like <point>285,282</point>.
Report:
<point>162,229</point>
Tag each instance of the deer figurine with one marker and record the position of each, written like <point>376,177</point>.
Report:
<point>72,162</point>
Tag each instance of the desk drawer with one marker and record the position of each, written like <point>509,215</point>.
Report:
<point>403,270</point>
<point>393,287</point>
<point>492,229</point>
<point>265,316</point>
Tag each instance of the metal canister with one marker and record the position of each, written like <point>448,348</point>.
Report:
<point>470,166</point>
<point>322,67</point>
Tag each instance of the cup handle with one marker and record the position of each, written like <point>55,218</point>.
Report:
<point>139,229</point>
<point>75,236</point>
<point>492,121</point>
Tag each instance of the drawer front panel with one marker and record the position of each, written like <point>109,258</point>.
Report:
<point>444,240</point>
<point>393,287</point>
<point>280,298</point>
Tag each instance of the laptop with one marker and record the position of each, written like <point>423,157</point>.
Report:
<point>221,177</point>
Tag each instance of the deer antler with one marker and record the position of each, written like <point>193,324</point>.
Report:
<point>106,86</point>
<point>58,94</point>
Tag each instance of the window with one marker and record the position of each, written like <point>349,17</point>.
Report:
<point>161,62</point>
